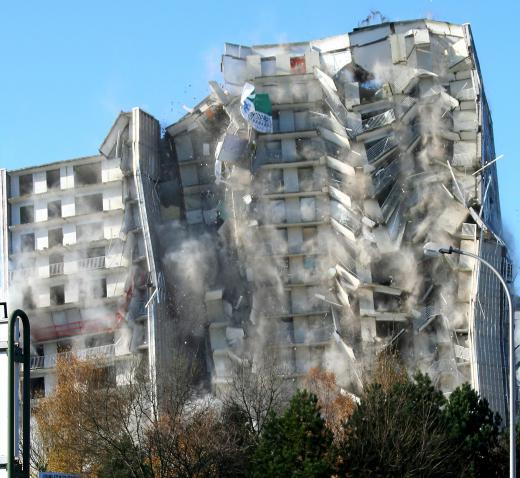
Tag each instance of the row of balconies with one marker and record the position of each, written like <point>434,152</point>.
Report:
<point>49,361</point>
<point>61,268</point>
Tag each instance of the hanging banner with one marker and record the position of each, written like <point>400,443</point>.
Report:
<point>256,109</point>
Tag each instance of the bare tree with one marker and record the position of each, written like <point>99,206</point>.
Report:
<point>121,425</point>
<point>256,392</point>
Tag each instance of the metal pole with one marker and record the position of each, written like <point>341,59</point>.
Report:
<point>512,387</point>
<point>16,354</point>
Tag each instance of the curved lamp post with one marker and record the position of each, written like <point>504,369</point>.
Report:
<point>19,355</point>
<point>434,250</point>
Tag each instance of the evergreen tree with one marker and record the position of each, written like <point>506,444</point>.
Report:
<point>296,444</point>
<point>473,426</point>
<point>398,430</point>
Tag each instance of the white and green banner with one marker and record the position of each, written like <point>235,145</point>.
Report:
<point>256,109</point>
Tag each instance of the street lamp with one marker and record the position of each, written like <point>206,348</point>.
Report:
<point>17,354</point>
<point>432,249</point>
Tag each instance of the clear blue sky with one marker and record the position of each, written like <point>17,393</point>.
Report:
<point>69,67</point>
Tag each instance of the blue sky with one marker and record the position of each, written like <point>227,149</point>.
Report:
<point>69,67</point>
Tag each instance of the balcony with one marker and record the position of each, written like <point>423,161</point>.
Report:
<point>384,176</point>
<point>428,314</point>
<point>49,361</point>
<point>91,263</point>
<point>380,148</point>
<point>60,268</point>
<point>56,269</point>
<point>377,121</point>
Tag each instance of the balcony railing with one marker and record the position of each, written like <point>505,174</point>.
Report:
<point>56,269</point>
<point>381,147</point>
<point>91,263</point>
<point>49,361</point>
<point>376,121</point>
<point>59,268</point>
<point>428,314</point>
<point>405,105</point>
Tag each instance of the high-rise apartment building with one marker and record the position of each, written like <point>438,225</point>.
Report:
<point>285,215</point>
<point>76,254</point>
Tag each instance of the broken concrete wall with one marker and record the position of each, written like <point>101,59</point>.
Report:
<point>330,166</point>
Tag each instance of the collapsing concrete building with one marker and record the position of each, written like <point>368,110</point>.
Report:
<point>335,162</point>
<point>286,214</point>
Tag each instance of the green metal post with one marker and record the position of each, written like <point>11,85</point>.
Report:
<point>17,354</point>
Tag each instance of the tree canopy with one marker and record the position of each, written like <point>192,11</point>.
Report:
<point>398,426</point>
<point>295,444</point>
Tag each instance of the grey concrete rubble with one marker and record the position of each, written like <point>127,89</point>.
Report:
<point>286,214</point>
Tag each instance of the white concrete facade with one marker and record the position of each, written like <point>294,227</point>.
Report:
<point>69,262</point>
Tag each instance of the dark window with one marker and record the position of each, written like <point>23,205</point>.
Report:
<point>93,289</point>
<point>89,232</point>
<point>275,181</point>
<point>95,252</point>
<point>37,387</point>
<point>26,184</point>
<point>86,174</point>
<point>57,295</point>
<point>99,340</point>
<point>53,209</point>
<point>309,262</point>
<point>88,204</point>
<point>55,237</point>
<point>26,214</point>
<point>40,351</point>
<point>53,179</point>
<point>335,176</point>
<point>306,179</point>
<point>28,243</point>
<point>99,288</point>
<point>28,300</point>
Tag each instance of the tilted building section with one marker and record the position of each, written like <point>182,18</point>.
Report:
<point>286,214</point>
<point>376,146</point>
